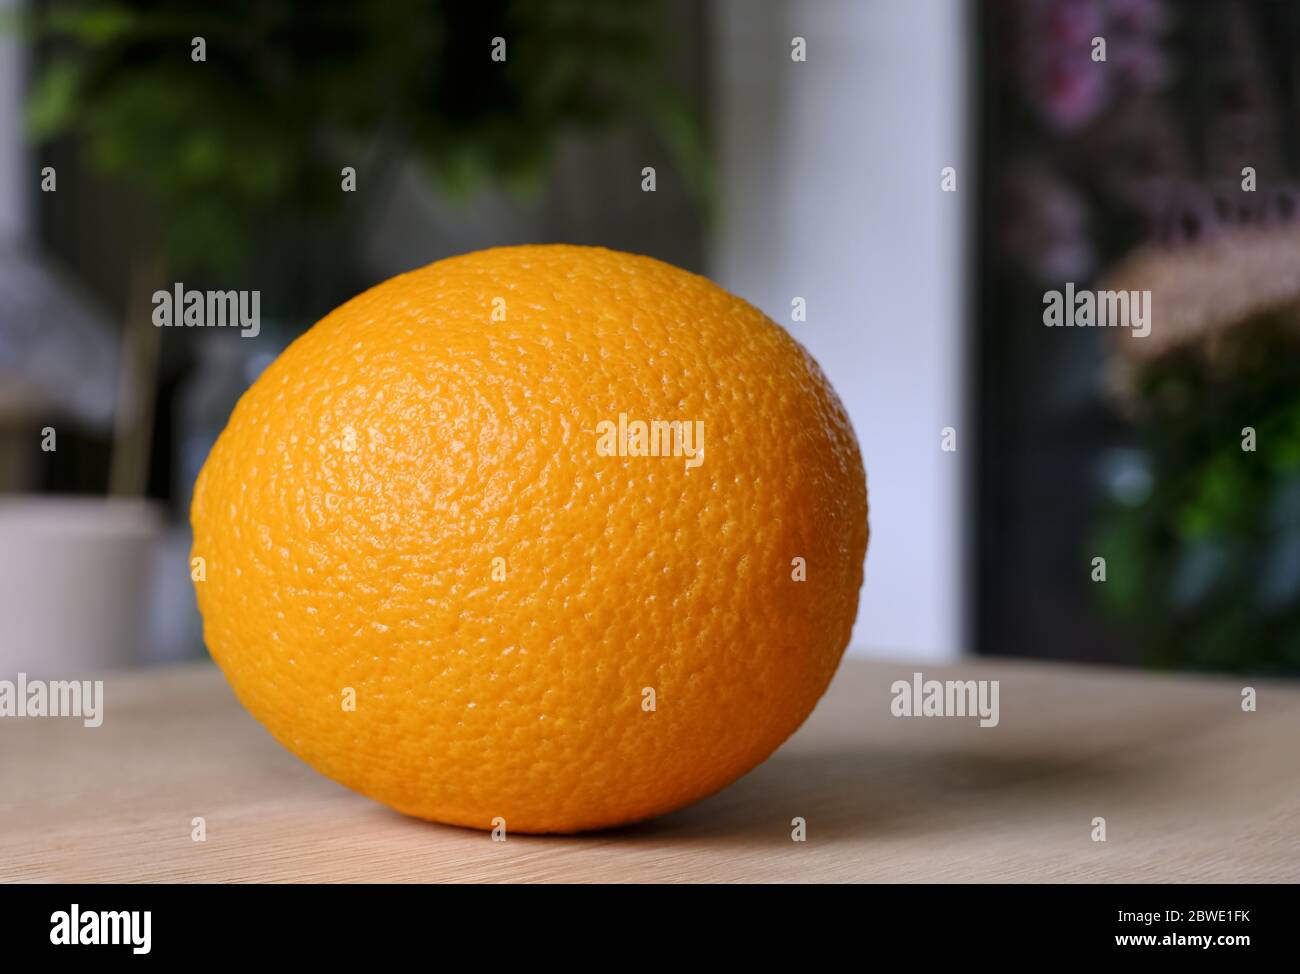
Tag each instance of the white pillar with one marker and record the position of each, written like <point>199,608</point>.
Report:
<point>14,216</point>
<point>829,182</point>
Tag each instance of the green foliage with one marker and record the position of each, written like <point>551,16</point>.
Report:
<point>291,92</point>
<point>1206,568</point>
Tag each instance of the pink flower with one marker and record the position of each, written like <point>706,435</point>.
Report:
<point>1070,92</point>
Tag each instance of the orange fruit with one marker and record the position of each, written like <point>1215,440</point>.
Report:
<point>447,568</point>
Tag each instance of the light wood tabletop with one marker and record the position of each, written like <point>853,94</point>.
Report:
<point>1191,788</point>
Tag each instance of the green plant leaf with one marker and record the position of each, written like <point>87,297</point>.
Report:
<point>92,25</point>
<point>54,100</point>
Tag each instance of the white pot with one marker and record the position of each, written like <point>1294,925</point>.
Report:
<point>75,576</point>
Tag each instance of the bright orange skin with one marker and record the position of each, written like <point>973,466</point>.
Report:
<point>351,512</point>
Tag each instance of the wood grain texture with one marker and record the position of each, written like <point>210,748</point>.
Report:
<point>1191,787</point>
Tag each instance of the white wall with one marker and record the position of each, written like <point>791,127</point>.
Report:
<point>829,177</point>
<point>14,187</point>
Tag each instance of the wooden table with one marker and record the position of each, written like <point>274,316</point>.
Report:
<point>1191,787</point>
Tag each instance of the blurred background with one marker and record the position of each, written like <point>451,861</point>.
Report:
<point>919,174</point>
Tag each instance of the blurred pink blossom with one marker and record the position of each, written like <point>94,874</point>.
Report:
<point>1055,44</point>
<point>1070,92</point>
<point>1044,226</point>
